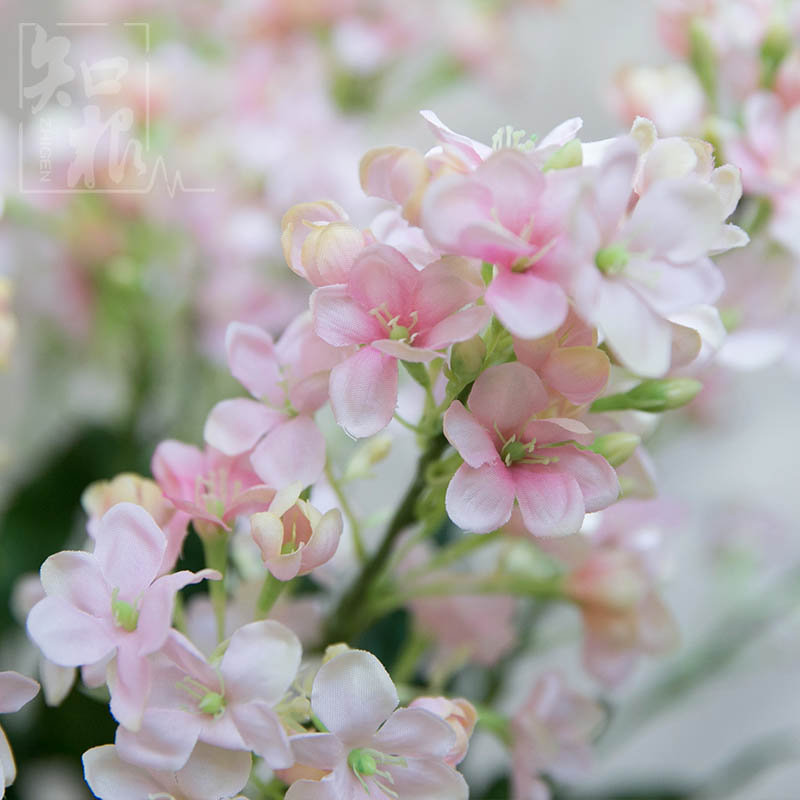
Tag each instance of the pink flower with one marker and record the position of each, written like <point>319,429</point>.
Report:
<point>210,488</point>
<point>229,704</point>
<point>568,360</point>
<point>291,377</point>
<point>509,213</point>
<point>318,242</point>
<point>56,681</point>
<point>551,733</point>
<point>110,603</point>
<point>632,271</point>
<point>400,314</point>
<point>209,772</point>
<point>511,455</point>
<point>371,748</point>
<point>15,691</point>
<point>128,487</point>
<point>459,714</point>
<point>295,538</point>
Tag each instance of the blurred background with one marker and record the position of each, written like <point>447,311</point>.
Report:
<point>118,304</point>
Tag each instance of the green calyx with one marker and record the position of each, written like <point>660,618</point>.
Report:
<point>126,616</point>
<point>612,260</point>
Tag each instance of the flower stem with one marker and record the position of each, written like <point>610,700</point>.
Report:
<point>270,592</point>
<point>347,619</point>
<point>352,520</point>
<point>215,548</point>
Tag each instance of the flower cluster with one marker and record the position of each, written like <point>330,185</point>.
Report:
<point>530,302</point>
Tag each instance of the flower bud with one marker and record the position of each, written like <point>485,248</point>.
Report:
<point>654,396</point>
<point>372,452</point>
<point>333,650</point>
<point>459,714</point>
<point>617,447</point>
<point>466,358</point>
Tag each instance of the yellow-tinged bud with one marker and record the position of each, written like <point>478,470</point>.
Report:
<point>616,448</point>
<point>372,452</point>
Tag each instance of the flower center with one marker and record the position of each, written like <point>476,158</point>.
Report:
<point>208,701</point>
<point>612,260</point>
<point>515,451</point>
<point>212,703</point>
<point>126,616</point>
<point>507,138</point>
<point>365,763</point>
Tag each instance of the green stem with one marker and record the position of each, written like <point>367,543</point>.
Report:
<point>494,722</point>
<point>543,588</point>
<point>270,592</point>
<point>454,552</point>
<point>352,520</point>
<point>348,618</point>
<point>215,548</point>
<point>406,663</point>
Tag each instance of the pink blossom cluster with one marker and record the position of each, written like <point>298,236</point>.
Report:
<point>736,83</point>
<point>536,299</point>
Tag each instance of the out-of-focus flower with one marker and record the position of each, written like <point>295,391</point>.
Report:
<point>551,733</point>
<point>15,691</point>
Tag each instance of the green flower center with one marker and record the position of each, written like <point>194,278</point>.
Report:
<point>612,260</point>
<point>126,616</point>
<point>362,762</point>
<point>212,703</point>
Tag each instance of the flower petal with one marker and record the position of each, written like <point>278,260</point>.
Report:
<point>234,426</point>
<point>260,663</point>
<point>340,320</point>
<point>16,691</point>
<point>261,730</point>
<point>293,451</point>
<point>415,732</point>
<point>457,327</point>
<point>596,477</point>
<point>253,361</point>
<point>550,501</point>
<point>480,500</point>
<point>579,373</point>
<point>528,306</point>
<point>474,444</point>
<point>320,750</point>
<point>111,778</point>
<point>363,392</point>
<point>129,548</point>
<point>75,576</point>
<point>214,772</point>
<point>164,741</point>
<point>353,696</point>
<point>507,395</point>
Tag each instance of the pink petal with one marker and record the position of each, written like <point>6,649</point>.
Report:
<point>596,477</point>
<point>383,277</point>
<point>57,681</point>
<point>393,173</point>
<point>528,306</point>
<point>614,185</point>
<point>164,741</point>
<point>507,395</point>
<point>320,750</point>
<point>67,636</point>
<point>253,361</point>
<point>425,778</point>
<point>579,373</point>
<point>111,778</point>
<point>129,548</point>
<point>262,732</point>
<point>353,696</point>
<point>402,351</point>
<point>234,426</point>
<point>324,541</point>
<point>457,327</point>
<point>669,289</point>
<point>292,451</point>
<point>213,772</point>
<point>480,500</point>
<point>468,436</point>
<point>129,684</point>
<point>260,663</point>
<point>340,320</point>
<point>363,392</point>
<point>551,502</point>
<point>558,429</point>
<point>295,228</point>
<point>476,151</point>
<point>75,576</point>
<point>16,691</point>
<point>415,732</point>
<point>445,286</point>
<point>157,604</point>
<point>175,466</point>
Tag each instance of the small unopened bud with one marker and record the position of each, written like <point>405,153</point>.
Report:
<point>466,358</point>
<point>372,452</point>
<point>654,396</point>
<point>333,650</point>
<point>616,448</point>
<point>570,155</point>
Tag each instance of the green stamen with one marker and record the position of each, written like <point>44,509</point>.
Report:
<point>212,703</point>
<point>612,260</point>
<point>125,615</point>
